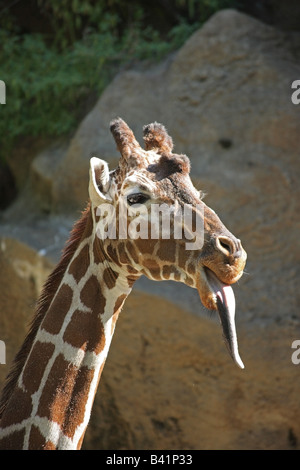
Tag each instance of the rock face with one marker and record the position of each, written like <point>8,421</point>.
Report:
<point>22,275</point>
<point>225,98</point>
<point>169,383</point>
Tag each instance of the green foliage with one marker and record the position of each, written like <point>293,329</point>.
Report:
<point>203,9</point>
<point>48,76</point>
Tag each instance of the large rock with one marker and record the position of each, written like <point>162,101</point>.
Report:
<point>22,274</point>
<point>225,98</point>
<point>169,383</point>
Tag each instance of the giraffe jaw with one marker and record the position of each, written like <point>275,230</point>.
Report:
<point>216,295</point>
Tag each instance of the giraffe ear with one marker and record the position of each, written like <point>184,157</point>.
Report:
<point>99,181</point>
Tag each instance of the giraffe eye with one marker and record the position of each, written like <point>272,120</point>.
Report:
<point>137,198</point>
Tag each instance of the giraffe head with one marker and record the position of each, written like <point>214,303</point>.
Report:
<point>147,211</point>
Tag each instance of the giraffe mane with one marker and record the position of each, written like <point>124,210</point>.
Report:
<point>50,287</point>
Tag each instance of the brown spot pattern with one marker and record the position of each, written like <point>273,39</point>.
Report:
<point>37,440</point>
<point>189,281</point>
<point>110,277</point>
<point>49,446</point>
<point>89,224</point>
<point>123,257</point>
<point>113,254</point>
<point>132,251</point>
<point>98,251</point>
<point>119,302</point>
<point>57,390</point>
<point>191,268</point>
<point>18,408</point>
<point>80,264</point>
<point>153,268</point>
<point>169,270</point>
<point>14,441</point>
<point>91,295</point>
<point>55,316</point>
<point>85,331</point>
<point>167,252</point>
<point>75,412</point>
<point>36,364</point>
<point>65,394</point>
<point>146,246</point>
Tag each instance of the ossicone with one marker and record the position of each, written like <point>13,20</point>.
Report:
<point>157,138</point>
<point>124,137</point>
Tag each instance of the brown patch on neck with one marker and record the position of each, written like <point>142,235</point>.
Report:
<point>82,229</point>
<point>92,297</point>
<point>110,277</point>
<point>80,264</point>
<point>37,441</point>
<point>68,387</point>
<point>13,441</point>
<point>85,325</point>
<point>54,319</point>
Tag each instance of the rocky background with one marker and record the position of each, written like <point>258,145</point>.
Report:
<point>169,383</point>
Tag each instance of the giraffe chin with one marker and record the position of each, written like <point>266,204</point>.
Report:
<point>216,295</point>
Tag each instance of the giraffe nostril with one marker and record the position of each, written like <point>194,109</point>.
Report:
<point>226,245</point>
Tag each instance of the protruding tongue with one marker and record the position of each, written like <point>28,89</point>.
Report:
<point>226,309</point>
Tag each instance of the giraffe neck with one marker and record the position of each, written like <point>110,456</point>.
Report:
<point>51,403</point>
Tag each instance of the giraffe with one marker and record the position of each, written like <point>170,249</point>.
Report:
<point>48,397</point>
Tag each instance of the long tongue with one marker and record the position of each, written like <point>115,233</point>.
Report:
<point>226,309</point>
